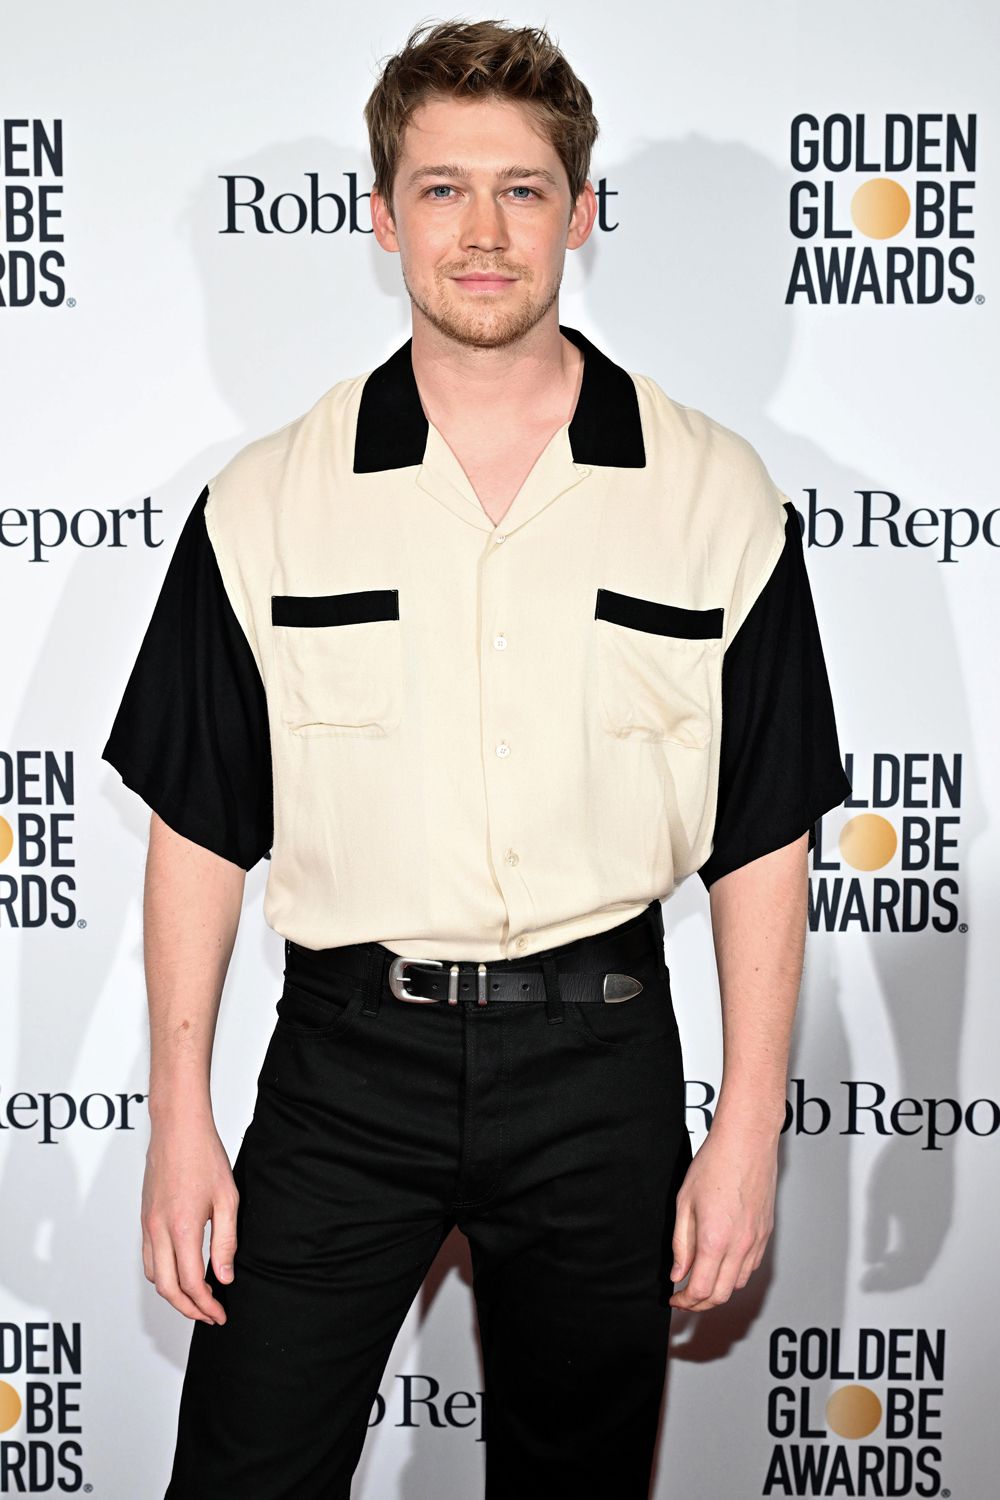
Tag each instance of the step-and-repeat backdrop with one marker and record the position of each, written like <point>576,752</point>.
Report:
<point>798,234</point>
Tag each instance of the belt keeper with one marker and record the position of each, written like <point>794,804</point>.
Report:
<point>376,967</point>
<point>554,1007</point>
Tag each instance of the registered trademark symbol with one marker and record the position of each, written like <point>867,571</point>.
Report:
<point>963,926</point>
<point>82,922</point>
<point>980,299</point>
<point>70,301</point>
<point>89,1487</point>
<point>946,1494</point>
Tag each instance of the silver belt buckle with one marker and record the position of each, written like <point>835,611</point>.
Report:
<point>397,981</point>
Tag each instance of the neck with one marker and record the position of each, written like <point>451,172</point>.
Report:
<point>459,383</point>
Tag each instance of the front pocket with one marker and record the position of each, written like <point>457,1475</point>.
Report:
<point>641,1021</point>
<point>338,659</point>
<point>659,669</point>
<point>303,1014</point>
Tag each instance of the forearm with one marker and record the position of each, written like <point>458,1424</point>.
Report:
<point>758,926</point>
<point>191,910</point>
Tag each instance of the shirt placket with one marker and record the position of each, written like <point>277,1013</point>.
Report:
<point>506,755</point>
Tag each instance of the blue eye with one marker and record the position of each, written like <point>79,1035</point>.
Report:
<point>521,189</point>
<point>440,187</point>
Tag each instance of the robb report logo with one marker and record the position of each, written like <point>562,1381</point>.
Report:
<point>881,208</point>
<point>34,534</point>
<point>47,1116</point>
<point>873,519</point>
<point>31,169</point>
<point>894,865</point>
<point>877,518</point>
<point>855,1414</point>
<point>419,1402</point>
<point>862,1107</point>
<point>252,206</point>
<point>40,1429</point>
<point>37,858</point>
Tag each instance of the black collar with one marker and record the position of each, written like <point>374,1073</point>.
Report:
<point>605,431</point>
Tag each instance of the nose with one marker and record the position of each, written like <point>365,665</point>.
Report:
<point>484,226</point>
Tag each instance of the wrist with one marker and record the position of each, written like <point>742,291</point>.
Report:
<point>752,1118</point>
<point>171,1103</point>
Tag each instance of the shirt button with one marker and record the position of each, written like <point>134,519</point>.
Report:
<point>499,536</point>
<point>511,856</point>
<point>503,748</point>
<point>521,944</point>
<point>500,642</point>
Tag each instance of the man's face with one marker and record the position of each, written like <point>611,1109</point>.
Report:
<point>480,193</point>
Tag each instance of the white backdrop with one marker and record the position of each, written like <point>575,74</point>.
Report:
<point>156,346</point>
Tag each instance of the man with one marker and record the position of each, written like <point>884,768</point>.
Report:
<point>488,649</point>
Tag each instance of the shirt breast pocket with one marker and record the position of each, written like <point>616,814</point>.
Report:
<point>658,668</point>
<point>338,661</point>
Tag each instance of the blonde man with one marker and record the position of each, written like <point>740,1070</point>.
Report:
<point>486,651</point>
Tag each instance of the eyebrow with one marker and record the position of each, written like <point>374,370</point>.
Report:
<point>506,174</point>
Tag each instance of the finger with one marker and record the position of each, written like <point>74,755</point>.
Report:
<point>147,1256</point>
<point>191,1276</point>
<point>749,1264</point>
<point>165,1277</point>
<point>222,1250</point>
<point>683,1241</point>
<point>724,1282</point>
<point>702,1280</point>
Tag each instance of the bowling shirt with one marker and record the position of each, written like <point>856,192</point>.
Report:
<point>473,740</point>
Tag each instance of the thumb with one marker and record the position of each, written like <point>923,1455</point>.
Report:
<point>223,1246</point>
<point>683,1242</point>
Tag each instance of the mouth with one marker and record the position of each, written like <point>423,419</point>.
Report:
<point>481,283</point>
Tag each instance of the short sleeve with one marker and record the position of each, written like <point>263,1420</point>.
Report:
<point>780,765</point>
<point>191,733</point>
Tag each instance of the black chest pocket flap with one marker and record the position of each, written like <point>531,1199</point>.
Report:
<point>658,669</point>
<point>338,661</point>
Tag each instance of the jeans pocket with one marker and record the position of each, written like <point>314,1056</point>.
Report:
<point>309,1015</point>
<point>646,1019</point>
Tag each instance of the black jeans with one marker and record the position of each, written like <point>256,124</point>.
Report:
<point>379,1124</point>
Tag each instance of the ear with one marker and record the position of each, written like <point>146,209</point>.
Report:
<point>383,224</point>
<point>581,220</point>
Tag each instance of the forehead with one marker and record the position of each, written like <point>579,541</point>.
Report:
<point>480,133</point>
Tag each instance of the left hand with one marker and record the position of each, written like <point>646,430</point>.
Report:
<point>724,1217</point>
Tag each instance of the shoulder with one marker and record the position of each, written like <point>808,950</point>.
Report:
<point>732,474</point>
<point>255,475</point>
<point>731,505</point>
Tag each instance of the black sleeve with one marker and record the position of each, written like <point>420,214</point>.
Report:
<point>780,767</point>
<point>191,733</point>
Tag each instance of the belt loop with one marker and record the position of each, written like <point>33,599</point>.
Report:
<point>374,979</point>
<point>554,1005</point>
<point>660,930</point>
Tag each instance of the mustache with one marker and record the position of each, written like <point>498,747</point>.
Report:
<point>515,271</point>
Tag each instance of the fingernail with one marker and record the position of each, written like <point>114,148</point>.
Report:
<point>226,1271</point>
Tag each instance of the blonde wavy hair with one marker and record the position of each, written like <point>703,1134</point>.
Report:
<point>477,60</point>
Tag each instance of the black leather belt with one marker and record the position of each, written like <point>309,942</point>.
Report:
<point>604,968</point>
<point>428,980</point>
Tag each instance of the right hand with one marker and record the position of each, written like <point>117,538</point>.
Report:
<point>188,1180</point>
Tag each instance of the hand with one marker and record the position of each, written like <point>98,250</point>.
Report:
<point>724,1217</point>
<point>188,1180</point>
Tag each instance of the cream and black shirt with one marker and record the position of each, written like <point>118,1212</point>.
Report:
<point>475,741</point>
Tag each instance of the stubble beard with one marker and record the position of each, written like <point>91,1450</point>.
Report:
<point>486,327</point>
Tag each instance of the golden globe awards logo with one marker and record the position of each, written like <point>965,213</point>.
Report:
<point>882,209</point>
<point>37,857</point>
<point>855,1414</point>
<point>894,864</point>
<point>40,1427</point>
<point>31,169</point>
